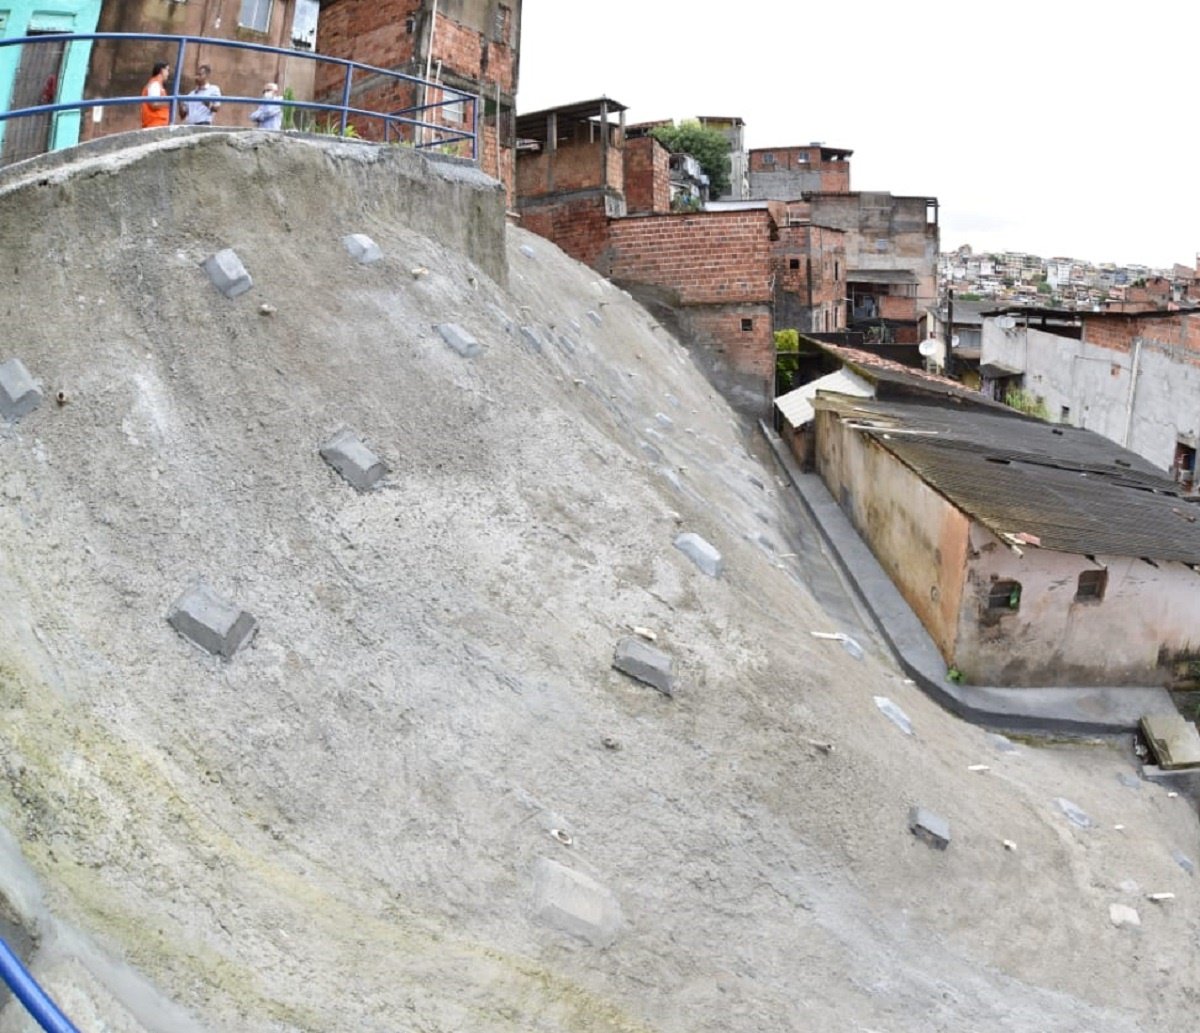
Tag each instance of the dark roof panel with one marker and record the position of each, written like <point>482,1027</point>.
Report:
<point>1074,490</point>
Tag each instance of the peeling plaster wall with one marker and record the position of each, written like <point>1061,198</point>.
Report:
<point>1053,639</point>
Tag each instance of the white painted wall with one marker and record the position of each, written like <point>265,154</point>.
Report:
<point>1095,384</point>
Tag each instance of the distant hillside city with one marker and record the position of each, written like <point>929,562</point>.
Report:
<point>1013,278</point>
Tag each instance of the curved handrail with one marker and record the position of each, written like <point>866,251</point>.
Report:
<point>37,1002</point>
<point>403,117</point>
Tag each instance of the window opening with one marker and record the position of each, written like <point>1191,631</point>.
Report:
<point>1091,585</point>
<point>747,324</point>
<point>255,15</point>
<point>1005,595</point>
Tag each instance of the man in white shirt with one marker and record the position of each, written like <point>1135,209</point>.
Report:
<point>268,115</point>
<point>200,111</point>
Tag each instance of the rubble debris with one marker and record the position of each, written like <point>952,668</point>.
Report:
<point>1123,915</point>
<point>227,273</point>
<point>216,625</point>
<point>362,248</point>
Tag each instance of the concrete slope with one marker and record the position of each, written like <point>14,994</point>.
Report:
<point>421,798</point>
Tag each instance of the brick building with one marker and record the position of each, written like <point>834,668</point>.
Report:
<point>570,176</point>
<point>891,260</point>
<point>788,173</point>
<point>472,46</point>
<point>605,200</point>
<point>809,263</point>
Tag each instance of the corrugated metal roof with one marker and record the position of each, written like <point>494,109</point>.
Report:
<point>796,406</point>
<point>1072,489</point>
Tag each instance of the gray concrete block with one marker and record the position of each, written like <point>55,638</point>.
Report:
<point>932,828</point>
<point>531,338</point>
<point>19,395</point>
<point>214,624</point>
<point>701,553</point>
<point>347,454</point>
<point>458,339</point>
<point>361,248</point>
<point>227,273</point>
<point>566,344</point>
<point>595,317</point>
<point>645,663</point>
<point>575,903</point>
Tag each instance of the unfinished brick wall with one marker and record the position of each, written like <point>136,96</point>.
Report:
<point>577,166</point>
<point>1177,330</point>
<point>809,264</point>
<point>394,35</point>
<point>647,176</point>
<point>370,33</point>
<point>706,258</point>
<point>579,225</point>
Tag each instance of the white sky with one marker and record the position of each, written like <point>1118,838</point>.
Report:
<point>1057,127</point>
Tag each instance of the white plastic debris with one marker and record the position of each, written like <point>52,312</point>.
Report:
<point>1010,845</point>
<point>849,644</point>
<point>978,767</point>
<point>894,714</point>
<point>1158,898</point>
<point>645,633</point>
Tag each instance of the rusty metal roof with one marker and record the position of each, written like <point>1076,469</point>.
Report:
<point>1068,488</point>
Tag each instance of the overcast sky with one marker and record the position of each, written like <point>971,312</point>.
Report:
<point>1056,127</point>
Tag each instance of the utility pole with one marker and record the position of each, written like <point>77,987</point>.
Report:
<point>950,363</point>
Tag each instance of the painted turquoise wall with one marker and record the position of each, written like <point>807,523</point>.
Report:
<point>17,18</point>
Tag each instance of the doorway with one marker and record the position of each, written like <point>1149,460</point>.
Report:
<point>39,74</point>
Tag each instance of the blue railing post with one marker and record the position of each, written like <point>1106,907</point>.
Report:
<point>475,129</point>
<point>346,98</point>
<point>175,82</point>
<point>27,991</point>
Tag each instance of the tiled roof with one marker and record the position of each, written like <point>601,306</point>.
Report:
<point>1067,489</point>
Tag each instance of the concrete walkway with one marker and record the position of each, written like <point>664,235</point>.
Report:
<point>1074,711</point>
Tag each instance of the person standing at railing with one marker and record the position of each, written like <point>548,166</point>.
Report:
<point>155,114</point>
<point>199,112</point>
<point>268,115</point>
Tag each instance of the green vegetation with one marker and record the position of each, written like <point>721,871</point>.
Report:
<point>787,360</point>
<point>968,296</point>
<point>708,146</point>
<point>1028,403</point>
<point>289,111</point>
<point>1043,288</point>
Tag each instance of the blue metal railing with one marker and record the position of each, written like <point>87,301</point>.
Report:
<point>30,994</point>
<point>416,119</point>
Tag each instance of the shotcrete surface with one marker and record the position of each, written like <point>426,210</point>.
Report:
<point>338,829</point>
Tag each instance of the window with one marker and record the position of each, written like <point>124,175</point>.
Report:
<point>768,159</point>
<point>410,25</point>
<point>1005,595</point>
<point>747,324</point>
<point>256,15</point>
<point>1064,414</point>
<point>304,24</point>
<point>1091,585</point>
<point>502,29</point>
<point>793,263</point>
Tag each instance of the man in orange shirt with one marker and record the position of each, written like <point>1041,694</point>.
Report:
<point>154,115</point>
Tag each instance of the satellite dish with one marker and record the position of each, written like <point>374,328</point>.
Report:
<point>1006,322</point>
<point>954,341</point>
<point>929,347</point>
